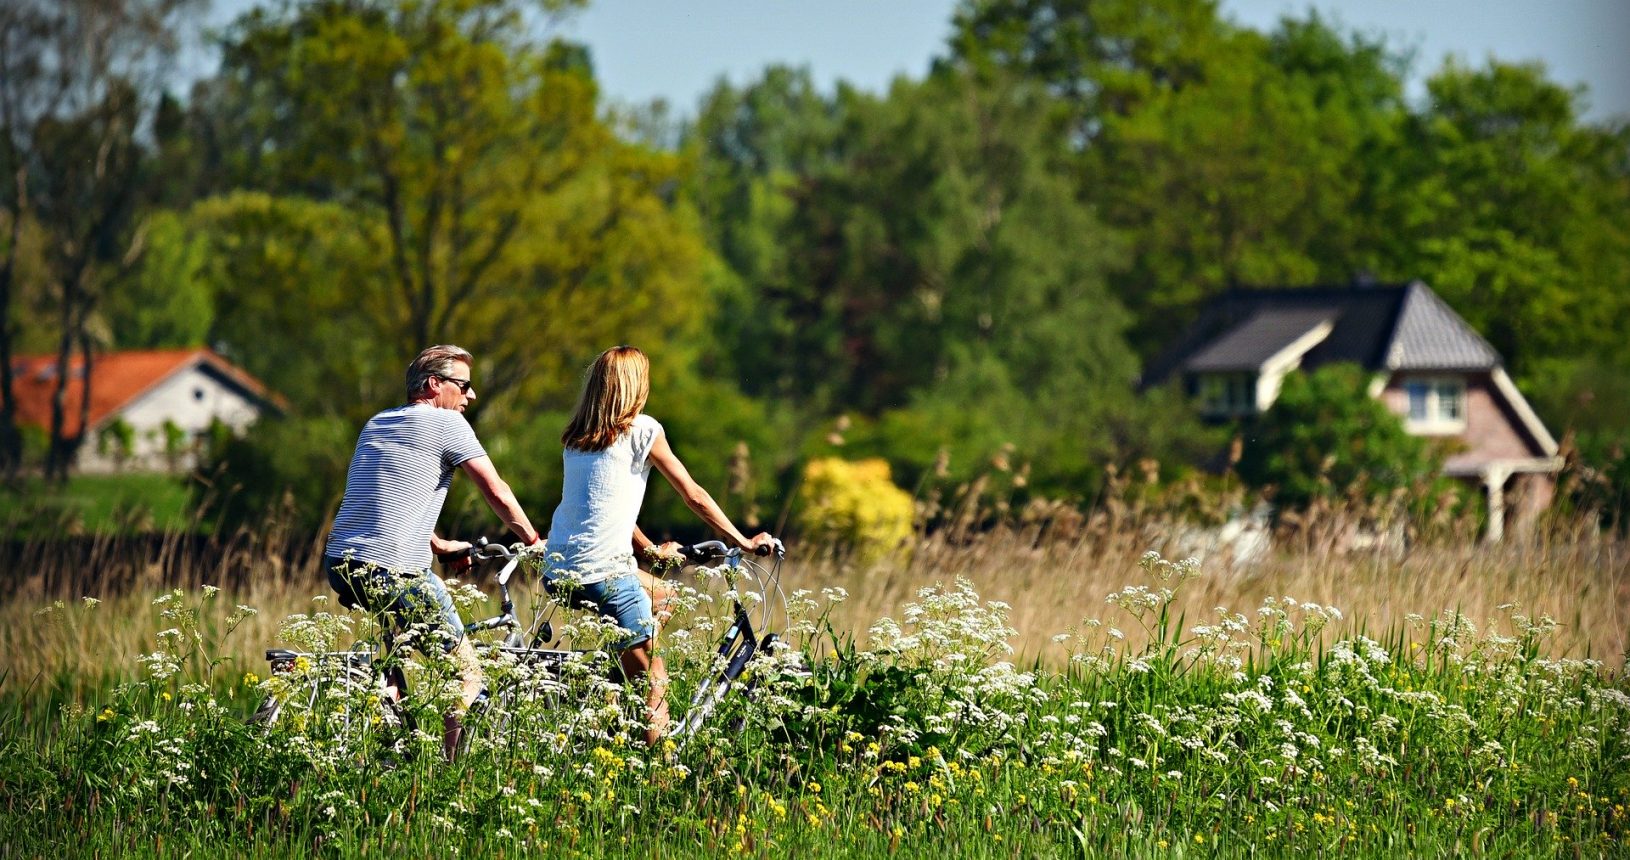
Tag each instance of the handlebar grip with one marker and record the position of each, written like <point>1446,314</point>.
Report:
<point>708,549</point>
<point>474,549</point>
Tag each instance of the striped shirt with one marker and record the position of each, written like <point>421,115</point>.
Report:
<point>397,482</point>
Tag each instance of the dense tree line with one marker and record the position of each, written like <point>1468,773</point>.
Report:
<point>964,272</point>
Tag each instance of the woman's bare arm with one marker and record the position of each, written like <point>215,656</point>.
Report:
<point>698,499</point>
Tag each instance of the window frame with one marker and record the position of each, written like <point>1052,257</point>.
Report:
<point>1237,392</point>
<point>1440,395</point>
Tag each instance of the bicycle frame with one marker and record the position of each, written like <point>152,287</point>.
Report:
<point>736,649</point>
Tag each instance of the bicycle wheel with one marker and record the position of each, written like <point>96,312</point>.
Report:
<point>336,701</point>
<point>513,701</point>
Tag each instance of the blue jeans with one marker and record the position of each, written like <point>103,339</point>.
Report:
<point>619,596</point>
<point>406,597</point>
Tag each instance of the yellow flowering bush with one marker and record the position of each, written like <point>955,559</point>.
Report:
<point>855,504</point>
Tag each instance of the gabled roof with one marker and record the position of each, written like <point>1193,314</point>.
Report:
<point>1383,327</point>
<point>119,378</point>
<point>1261,336</point>
<point>1431,336</point>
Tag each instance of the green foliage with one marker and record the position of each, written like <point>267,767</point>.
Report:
<point>1587,400</point>
<point>168,302</point>
<point>942,227</point>
<point>967,265</point>
<point>1512,214</point>
<point>292,466</point>
<point>854,506</point>
<point>490,205</point>
<point>116,439</point>
<point>1325,437</point>
<point>1225,156</point>
<point>309,274</point>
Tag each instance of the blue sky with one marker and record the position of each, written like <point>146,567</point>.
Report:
<point>676,49</point>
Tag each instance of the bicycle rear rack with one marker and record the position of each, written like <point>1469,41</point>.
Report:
<point>283,660</point>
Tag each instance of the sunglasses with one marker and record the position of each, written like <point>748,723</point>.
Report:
<point>463,384</point>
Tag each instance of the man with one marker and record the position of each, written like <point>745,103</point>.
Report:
<point>380,549</point>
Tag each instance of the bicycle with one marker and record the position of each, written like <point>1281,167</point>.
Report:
<point>544,671</point>
<point>343,675</point>
<point>732,654</point>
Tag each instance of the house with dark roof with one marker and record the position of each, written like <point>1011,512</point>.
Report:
<point>165,401</point>
<point>1430,368</point>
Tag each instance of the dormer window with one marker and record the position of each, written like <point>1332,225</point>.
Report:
<point>1437,405</point>
<point>1227,395</point>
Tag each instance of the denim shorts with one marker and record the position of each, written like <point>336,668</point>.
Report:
<point>619,596</point>
<point>406,597</point>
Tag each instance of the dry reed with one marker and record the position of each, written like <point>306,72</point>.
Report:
<point>1054,570</point>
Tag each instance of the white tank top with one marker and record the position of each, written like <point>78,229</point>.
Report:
<point>592,530</point>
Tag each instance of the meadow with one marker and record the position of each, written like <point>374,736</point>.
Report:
<point>1023,691</point>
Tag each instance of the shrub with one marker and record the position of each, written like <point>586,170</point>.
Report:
<point>856,506</point>
<point>1326,437</point>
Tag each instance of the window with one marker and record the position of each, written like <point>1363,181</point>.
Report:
<point>1227,394</point>
<point>1436,405</point>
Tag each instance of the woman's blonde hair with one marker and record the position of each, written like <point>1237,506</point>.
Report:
<point>614,391</point>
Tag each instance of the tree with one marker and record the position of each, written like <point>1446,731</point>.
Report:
<point>78,79</point>
<point>167,301</point>
<point>1325,436</point>
<point>1517,213</point>
<point>493,207</point>
<point>923,257</point>
<point>755,150</point>
<point>1229,157</point>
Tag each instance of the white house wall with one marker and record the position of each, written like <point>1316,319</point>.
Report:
<point>192,399</point>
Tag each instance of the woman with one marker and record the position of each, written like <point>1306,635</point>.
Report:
<point>611,446</point>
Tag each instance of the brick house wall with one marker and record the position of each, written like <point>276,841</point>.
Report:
<point>1492,432</point>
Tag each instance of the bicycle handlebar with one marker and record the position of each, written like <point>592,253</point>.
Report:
<point>482,550</point>
<point>711,549</point>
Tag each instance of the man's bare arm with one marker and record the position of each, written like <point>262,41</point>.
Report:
<point>501,498</point>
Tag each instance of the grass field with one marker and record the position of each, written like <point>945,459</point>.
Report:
<point>1460,700</point>
<point>90,504</point>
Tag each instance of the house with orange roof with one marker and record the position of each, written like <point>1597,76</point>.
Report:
<point>150,410</point>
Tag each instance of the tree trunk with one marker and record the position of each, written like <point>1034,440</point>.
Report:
<point>84,389</point>
<point>11,442</point>
<point>60,451</point>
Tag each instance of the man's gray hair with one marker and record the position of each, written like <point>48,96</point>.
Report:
<point>433,361</point>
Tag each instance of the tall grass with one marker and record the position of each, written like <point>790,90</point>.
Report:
<point>1053,567</point>
<point>1282,732</point>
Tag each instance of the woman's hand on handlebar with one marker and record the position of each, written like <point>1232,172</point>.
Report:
<point>664,556</point>
<point>762,543</point>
